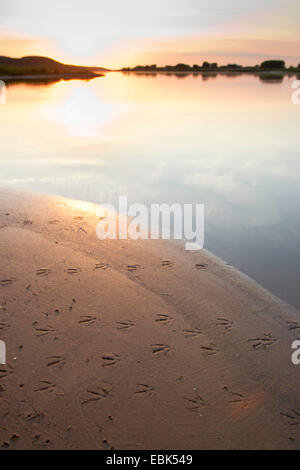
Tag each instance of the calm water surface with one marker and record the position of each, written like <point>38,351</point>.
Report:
<point>231,143</point>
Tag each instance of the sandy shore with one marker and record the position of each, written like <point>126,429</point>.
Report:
<point>130,345</point>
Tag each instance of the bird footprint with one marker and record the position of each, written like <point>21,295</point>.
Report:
<point>96,392</point>
<point>195,403</point>
<point>4,325</point>
<point>144,389</point>
<point>163,318</point>
<point>167,262</point>
<point>110,359</point>
<point>7,282</point>
<point>43,272</point>
<point>159,349</point>
<point>56,361</point>
<point>45,385</point>
<point>132,267</point>
<point>87,320</point>
<point>293,325</point>
<point>292,416</point>
<point>262,342</point>
<point>73,270</point>
<point>225,323</point>
<point>124,325</point>
<point>103,266</point>
<point>192,332</point>
<point>200,266</point>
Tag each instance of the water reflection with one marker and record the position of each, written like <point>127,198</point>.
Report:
<point>271,78</point>
<point>229,143</point>
<point>39,81</point>
<point>81,112</point>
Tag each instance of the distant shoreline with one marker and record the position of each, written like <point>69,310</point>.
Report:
<point>38,67</point>
<point>270,73</point>
<point>257,72</point>
<point>264,75</point>
<point>270,67</point>
<point>90,76</point>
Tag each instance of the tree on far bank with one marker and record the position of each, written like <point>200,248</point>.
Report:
<point>273,65</point>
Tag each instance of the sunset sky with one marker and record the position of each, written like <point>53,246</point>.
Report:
<point>117,33</point>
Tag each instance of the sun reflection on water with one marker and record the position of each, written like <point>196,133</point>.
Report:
<point>82,113</point>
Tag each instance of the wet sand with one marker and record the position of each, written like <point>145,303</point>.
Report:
<point>122,344</point>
